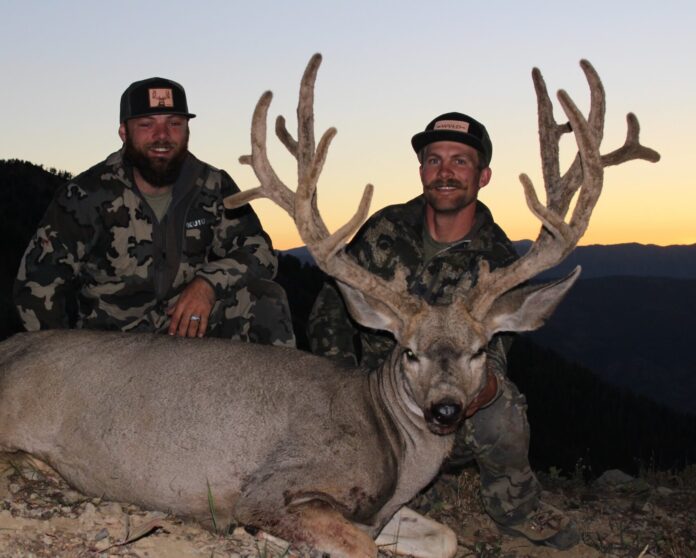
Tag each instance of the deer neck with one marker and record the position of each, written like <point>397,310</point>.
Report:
<point>405,418</point>
<point>409,436</point>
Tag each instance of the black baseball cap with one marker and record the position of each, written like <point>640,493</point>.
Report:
<point>153,96</point>
<point>455,126</point>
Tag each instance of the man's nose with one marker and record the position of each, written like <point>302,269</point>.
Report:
<point>161,131</point>
<point>445,170</point>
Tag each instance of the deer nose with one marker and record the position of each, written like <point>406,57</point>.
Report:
<point>446,413</point>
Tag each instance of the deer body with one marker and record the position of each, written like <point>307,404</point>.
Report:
<point>154,420</point>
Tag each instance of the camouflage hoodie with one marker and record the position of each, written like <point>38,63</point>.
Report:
<point>394,237</point>
<point>101,254</point>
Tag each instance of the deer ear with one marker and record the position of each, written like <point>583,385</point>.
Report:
<point>369,311</point>
<point>527,308</point>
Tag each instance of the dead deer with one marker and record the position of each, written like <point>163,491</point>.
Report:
<point>319,455</point>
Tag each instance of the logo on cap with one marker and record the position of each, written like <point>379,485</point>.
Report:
<point>161,97</point>
<point>456,125</point>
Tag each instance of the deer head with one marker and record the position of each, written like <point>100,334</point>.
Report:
<point>441,349</point>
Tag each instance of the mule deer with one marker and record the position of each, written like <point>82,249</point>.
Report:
<point>317,454</point>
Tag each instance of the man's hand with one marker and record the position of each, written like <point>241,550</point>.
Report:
<point>189,316</point>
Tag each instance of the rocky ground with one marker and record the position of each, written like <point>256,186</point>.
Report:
<point>40,516</point>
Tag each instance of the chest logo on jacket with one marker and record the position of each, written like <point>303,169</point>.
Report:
<point>196,223</point>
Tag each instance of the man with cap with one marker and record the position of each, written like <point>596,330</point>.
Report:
<point>142,241</point>
<point>438,238</point>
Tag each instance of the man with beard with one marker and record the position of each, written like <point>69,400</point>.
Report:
<point>142,241</point>
<point>438,239</point>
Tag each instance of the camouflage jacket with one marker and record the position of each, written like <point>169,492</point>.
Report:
<point>394,237</point>
<point>101,252</point>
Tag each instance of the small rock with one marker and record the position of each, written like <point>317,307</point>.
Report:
<point>14,488</point>
<point>101,534</point>
<point>71,496</point>
<point>89,515</point>
<point>111,508</point>
<point>31,474</point>
<point>664,491</point>
<point>613,477</point>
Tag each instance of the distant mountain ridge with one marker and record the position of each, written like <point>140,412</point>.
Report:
<point>631,260</point>
<point>633,332</point>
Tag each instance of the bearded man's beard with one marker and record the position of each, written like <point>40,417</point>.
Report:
<point>157,171</point>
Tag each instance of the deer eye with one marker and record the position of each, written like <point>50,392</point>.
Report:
<point>479,353</point>
<point>410,355</point>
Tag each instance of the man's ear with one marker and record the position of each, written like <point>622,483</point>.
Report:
<point>122,132</point>
<point>485,177</point>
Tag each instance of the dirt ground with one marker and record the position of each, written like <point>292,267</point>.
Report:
<point>40,516</point>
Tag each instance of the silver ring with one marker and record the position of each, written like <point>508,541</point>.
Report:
<point>194,318</point>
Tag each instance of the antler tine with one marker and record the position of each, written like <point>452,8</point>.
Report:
<point>310,163</point>
<point>557,238</point>
<point>549,135</point>
<point>285,137</point>
<point>631,149</point>
<point>302,204</point>
<point>271,186</point>
<point>327,248</point>
<point>572,179</point>
<point>588,141</point>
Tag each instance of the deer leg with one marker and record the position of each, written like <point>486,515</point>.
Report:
<point>409,533</point>
<point>318,525</point>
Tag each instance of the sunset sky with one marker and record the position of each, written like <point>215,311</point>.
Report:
<point>389,67</point>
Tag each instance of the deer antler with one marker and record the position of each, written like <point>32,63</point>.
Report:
<point>557,238</point>
<point>326,248</point>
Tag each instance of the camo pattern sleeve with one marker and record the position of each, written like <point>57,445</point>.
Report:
<point>45,286</point>
<point>239,250</point>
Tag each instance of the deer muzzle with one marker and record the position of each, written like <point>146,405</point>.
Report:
<point>444,416</point>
